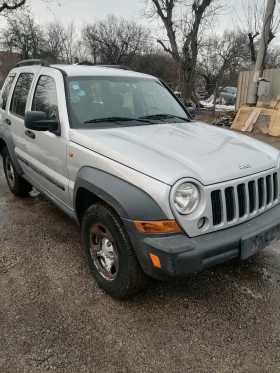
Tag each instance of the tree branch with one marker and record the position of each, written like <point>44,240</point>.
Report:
<point>164,47</point>
<point>6,6</point>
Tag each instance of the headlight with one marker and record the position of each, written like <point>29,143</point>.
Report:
<point>186,198</point>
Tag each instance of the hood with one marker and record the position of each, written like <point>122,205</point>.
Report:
<point>171,151</point>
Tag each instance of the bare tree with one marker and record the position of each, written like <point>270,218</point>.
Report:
<point>273,58</point>
<point>115,40</point>
<point>222,58</point>
<point>11,7</point>
<point>70,45</point>
<point>183,26</point>
<point>24,36</point>
<point>7,6</point>
<point>54,41</point>
<point>155,62</point>
<point>63,43</point>
<point>8,61</point>
<point>250,22</point>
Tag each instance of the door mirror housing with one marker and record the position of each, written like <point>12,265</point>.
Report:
<point>38,121</point>
<point>191,110</point>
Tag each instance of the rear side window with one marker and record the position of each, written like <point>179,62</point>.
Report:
<point>45,97</point>
<point>6,91</point>
<point>20,94</point>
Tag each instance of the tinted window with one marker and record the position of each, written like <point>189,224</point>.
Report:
<point>6,91</point>
<point>45,97</point>
<point>20,95</point>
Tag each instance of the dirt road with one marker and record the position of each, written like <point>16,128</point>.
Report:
<point>54,318</point>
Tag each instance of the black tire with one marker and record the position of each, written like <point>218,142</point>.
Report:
<point>18,186</point>
<point>126,277</point>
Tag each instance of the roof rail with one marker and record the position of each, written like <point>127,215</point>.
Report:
<point>87,63</point>
<point>116,67</point>
<point>84,63</point>
<point>33,62</point>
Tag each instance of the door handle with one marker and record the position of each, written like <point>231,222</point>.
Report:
<point>7,121</point>
<point>30,134</point>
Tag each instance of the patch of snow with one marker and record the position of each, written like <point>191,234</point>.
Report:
<point>209,105</point>
<point>34,193</point>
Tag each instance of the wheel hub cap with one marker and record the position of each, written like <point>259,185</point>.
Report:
<point>10,171</point>
<point>104,252</point>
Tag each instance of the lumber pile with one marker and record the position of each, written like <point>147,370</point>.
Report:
<point>225,119</point>
<point>263,118</point>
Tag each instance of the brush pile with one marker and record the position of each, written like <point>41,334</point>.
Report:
<point>225,119</point>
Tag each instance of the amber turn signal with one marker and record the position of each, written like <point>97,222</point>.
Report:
<point>162,226</point>
<point>155,260</point>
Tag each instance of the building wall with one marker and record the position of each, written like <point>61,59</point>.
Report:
<point>245,79</point>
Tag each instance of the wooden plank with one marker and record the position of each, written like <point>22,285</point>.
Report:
<point>247,86</point>
<point>249,121</point>
<point>274,129</point>
<point>239,90</point>
<point>252,118</point>
<point>264,121</point>
<point>243,114</point>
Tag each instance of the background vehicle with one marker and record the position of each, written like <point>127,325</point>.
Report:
<point>156,194</point>
<point>229,94</point>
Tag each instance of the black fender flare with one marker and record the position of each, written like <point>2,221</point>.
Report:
<point>128,200</point>
<point>7,137</point>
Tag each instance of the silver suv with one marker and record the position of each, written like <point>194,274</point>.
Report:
<point>156,193</point>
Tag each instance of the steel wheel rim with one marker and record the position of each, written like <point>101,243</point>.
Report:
<point>104,251</point>
<point>10,171</point>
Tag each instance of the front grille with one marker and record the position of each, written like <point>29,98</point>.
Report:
<point>252,196</point>
<point>243,199</point>
<point>275,186</point>
<point>268,189</point>
<point>260,190</point>
<point>229,195</point>
<point>216,207</point>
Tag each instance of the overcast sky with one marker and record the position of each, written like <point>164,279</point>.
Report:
<point>84,11</point>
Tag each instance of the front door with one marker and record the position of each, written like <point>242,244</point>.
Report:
<point>47,151</point>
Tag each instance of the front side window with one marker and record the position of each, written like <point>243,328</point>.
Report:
<point>6,91</point>
<point>94,98</point>
<point>45,97</point>
<point>20,94</point>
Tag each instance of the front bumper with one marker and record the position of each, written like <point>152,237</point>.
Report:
<point>181,256</point>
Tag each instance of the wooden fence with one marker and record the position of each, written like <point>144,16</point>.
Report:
<point>245,79</point>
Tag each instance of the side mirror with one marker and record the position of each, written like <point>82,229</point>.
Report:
<point>38,121</point>
<point>191,110</point>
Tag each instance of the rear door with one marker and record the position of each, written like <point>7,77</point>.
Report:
<point>4,98</point>
<point>14,116</point>
<point>47,151</point>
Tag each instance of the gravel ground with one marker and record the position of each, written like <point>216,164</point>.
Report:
<point>54,318</point>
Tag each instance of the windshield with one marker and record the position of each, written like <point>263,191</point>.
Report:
<point>119,98</point>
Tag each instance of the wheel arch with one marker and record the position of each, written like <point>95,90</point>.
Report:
<point>3,145</point>
<point>6,140</point>
<point>129,201</point>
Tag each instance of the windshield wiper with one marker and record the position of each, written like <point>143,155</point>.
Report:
<point>163,116</point>
<point>116,119</point>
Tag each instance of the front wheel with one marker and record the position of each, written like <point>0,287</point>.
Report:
<point>111,256</point>
<point>18,186</point>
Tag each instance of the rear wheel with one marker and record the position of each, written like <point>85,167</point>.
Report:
<point>111,256</point>
<point>18,186</point>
